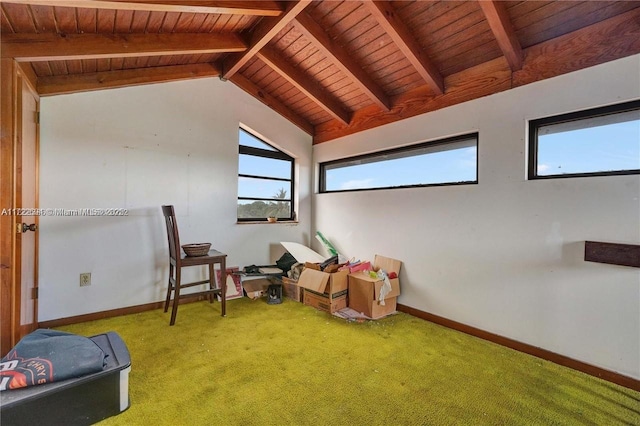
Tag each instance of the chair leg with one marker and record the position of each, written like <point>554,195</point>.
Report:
<point>212,282</point>
<point>176,298</point>
<point>223,287</point>
<point>169,288</point>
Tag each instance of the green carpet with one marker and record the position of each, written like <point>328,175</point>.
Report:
<point>289,364</point>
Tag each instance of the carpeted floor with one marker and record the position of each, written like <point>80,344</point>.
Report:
<point>289,364</point>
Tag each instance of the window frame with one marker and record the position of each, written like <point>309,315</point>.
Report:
<point>534,126</point>
<point>394,151</point>
<point>277,154</point>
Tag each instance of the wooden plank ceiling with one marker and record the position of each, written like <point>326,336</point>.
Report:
<point>331,67</point>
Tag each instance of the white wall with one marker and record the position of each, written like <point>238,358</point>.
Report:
<point>506,255</point>
<point>138,148</point>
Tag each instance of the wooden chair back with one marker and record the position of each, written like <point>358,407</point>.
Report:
<point>172,232</point>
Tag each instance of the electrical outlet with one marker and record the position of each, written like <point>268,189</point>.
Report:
<point>85,279</point>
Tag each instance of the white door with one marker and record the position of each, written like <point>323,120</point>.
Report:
<point>28,238</point>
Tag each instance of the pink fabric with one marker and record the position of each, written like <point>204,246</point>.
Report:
<point>364,266</point>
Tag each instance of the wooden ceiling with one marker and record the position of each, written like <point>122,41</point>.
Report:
<point>331,67</point>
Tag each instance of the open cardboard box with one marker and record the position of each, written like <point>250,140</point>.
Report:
<point>324,291</point>
<point>364,290</point>
<point>322,282</point>
<point>256,288</point>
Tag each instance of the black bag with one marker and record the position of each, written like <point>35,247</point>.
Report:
<point>285,262</point>
<point>333,260</point>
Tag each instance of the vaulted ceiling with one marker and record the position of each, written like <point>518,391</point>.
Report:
<point>333,68</point>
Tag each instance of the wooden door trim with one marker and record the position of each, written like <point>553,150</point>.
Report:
<point>11,86</point>
<point>17,203</point>
<point>26,72</point>
<point>24,82</point>
<point>8,107</point>
<point>36,262</point>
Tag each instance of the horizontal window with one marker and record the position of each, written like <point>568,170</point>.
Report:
<point>261,188</point>
<point>270,167</point>
<point>258,210</point>
<point>444,162</point>
<point>597,142</point>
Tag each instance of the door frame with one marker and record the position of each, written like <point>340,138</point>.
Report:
<point>12,76</point>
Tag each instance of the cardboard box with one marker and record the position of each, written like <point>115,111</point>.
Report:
<point>324,302</point>
<point>324,291</point>
<point>256,288</point>
<point>292,290</point>
<point>364,290</point>
<point>322,282</point>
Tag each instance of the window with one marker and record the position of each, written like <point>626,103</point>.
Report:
<point>265,180</point>
<point>445,162</point>
<point>597,142</point>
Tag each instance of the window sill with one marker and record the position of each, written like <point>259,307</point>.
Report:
<point>263,222</point>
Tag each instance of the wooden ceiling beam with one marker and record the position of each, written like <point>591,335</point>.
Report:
<point>341,58</point>
<point>605,41</point>
<point>261,35</point>
<point>498,19</point>
<point>608,40</point>
<point>272,102</point>
<point>386,17</point>
<point>256,8</point>
<point>303,83</point>
<point>49,47</point>
<point>74,83</point>
<point>481,80</point>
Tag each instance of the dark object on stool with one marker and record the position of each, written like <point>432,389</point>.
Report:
<point>177,261</point>
<point>274,294</point>
<point>286,261</point>
<point>81,401</point>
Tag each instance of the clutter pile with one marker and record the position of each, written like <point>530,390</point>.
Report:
<point>347,288</point>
